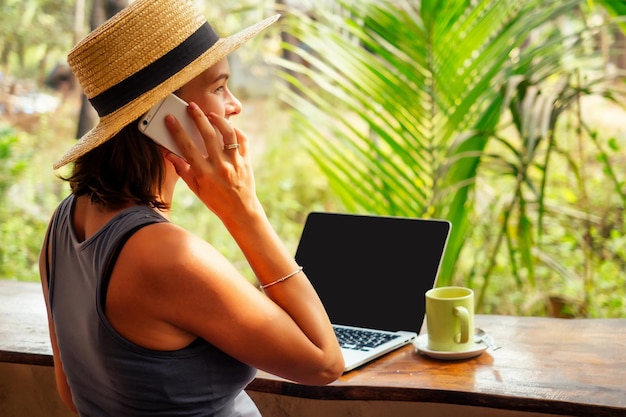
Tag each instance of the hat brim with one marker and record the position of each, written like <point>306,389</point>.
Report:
<point>112,123</point>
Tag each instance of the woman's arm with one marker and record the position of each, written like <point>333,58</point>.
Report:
<point>289,331</point>
<point>169,286</point>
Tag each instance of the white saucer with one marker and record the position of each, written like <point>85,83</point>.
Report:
<point>421,343</point>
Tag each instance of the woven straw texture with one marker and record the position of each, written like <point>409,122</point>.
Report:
<point>131,40</point>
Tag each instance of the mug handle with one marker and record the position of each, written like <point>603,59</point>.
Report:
<point>463,315</point>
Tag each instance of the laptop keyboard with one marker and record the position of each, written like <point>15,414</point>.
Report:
<point>361,339</point>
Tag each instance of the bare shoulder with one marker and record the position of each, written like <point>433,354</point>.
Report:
<point>168,261</point>
<point>165,250</point>
<point>159,270</point>
<point>162,278</point>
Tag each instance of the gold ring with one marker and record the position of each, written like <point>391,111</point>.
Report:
<point>231,146</point>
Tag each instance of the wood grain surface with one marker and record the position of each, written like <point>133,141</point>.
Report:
<point>560,366</point>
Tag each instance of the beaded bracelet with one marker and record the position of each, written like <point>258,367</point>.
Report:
<point>278,281</point>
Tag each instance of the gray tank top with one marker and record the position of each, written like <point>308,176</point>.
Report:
<point>109,375</point>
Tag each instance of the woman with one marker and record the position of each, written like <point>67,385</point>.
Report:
<point>147,319</point>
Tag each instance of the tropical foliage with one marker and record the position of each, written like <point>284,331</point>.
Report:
<point>474,111</point>
<point>456,110</point>
<point>33,34</point>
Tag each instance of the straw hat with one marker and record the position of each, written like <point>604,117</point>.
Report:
<point>135,59</point>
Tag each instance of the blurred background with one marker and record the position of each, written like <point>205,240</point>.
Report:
<point>506,118</point>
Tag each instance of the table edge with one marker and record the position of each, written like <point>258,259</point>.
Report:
<point>427,395</point>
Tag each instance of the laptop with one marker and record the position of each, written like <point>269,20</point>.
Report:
<point>371,274</point>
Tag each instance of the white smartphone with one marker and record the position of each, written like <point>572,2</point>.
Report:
<point>152,124</point>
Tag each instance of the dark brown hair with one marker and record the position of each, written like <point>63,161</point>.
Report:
<point>129,167</point>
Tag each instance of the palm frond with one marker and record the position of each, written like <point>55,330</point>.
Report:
<point>407,97</point>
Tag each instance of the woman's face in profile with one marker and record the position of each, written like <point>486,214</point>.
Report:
<point>210,92</point>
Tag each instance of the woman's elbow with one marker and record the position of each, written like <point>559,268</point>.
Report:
<point>332,374</point>
<point>329,373</point>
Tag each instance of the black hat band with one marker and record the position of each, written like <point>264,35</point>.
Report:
<point>156,73</point>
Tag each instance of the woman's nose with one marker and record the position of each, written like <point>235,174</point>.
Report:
<point>233,106</point>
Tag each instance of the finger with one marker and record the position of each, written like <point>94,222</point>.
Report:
<point>211,137</point>
<point>180,165</point>
<point>223,126</point>
<point>188,149</point>
<point>242,140</point>
<point>184,171</point>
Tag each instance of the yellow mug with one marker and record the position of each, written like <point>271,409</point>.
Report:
<point>450,319</point>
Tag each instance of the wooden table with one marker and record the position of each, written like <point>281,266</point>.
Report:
<point>553,366</point>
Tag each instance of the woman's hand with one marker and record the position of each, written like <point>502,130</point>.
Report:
<point>224,179</point>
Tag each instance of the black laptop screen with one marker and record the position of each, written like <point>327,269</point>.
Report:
<point>372,271</point>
